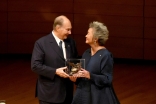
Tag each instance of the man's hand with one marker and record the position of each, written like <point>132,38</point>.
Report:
<point>73,78</point>
<point>60,72</point>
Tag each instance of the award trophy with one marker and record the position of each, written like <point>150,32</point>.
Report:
<point>74,65</point>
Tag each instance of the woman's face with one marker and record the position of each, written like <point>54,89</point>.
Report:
<point>89,36</point>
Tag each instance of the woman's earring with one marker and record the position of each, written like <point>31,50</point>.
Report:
<point>94,42</point>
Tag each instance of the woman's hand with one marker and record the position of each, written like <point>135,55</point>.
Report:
<point>83,73</point>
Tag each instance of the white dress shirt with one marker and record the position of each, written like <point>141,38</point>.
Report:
<point>63,44</point>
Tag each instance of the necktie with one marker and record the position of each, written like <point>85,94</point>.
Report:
<point>60,45</point>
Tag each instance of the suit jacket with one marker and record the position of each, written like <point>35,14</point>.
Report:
<point>46,58</point>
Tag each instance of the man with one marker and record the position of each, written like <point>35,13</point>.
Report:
<point>48,61</point>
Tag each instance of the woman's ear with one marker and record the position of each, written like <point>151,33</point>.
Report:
<point>95,39</point>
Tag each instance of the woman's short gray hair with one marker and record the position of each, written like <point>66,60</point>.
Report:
<point>100,32</point>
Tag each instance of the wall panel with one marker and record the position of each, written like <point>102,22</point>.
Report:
<point>109,20</point>
<point>126,53</point>
<point>131,24</point>
<point>103,9</point>
<point>118,26</point>
<point>150,11</point>
<point>150,49</point>
<point>3,43</point>
<point>80,42</point>
<point>22,42</point>
<point>150,2</point>
<point>150,33</point>
<point>150,30</point>
<point>126,47</point>
<point>3,26</point>
<point>28,20</point>
<point>29,27</point>
<point>3,22</point>
<point>40,6</point>
<point>125,23</point>
<point>120,47</point>
<point>112,2</point>
<point>3,6</point>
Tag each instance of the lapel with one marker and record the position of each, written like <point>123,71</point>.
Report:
<point>67,47</point>
<point>87,57</point>
<point>55,46</point>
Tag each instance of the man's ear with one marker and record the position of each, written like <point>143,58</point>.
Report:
<point>57,27</point>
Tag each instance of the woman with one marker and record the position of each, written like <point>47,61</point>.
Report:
<point>94,83</point>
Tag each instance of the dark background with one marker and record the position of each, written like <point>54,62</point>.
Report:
<point>132,24</point>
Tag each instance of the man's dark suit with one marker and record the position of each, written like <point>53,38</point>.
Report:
<point>46,58</point>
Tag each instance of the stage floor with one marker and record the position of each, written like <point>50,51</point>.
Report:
<point>134,83</point>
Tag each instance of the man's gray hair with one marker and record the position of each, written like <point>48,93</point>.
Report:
<point>59,21</point>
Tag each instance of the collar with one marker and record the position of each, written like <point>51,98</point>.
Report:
<point>56,38</point>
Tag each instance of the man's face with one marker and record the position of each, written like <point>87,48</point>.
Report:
<point>65,30</point>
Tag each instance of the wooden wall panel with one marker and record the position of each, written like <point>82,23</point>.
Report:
<point>150,2</point>
<point>150,33</point>
<point>22,42</point>
<point>3,22</point>
<point>109,20</point>
<point>114,2</point>
<point>126,31</point>
<point>131,24</point>
<point>36,16</point>
<point>126,53</point>
<point>118,26</point>
<point>3,26</point>
<point>150,26</point>
<point>124,20</point>
<point>150,22</point>
<point>150,11</point>
<point>32,22</point>
<point>20,48</point>
<point>3,6</point>
<point>29,27</point>
<point>115,31</point>
<point>23,38</point>
<point>25,28</point>
<point>40,6</point>
<point>150,30</point>
<point>120,47</point>
<point>28,20</point>
<point>104,9</point>
<point>132,43</point>
<point>150,49</point>
<point>80,42</point>
<point>3,43</point>
<point>126,47</point>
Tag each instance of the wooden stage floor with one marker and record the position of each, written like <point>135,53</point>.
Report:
<point>134,81</point>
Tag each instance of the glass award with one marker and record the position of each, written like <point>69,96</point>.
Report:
<point>74,65</point>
